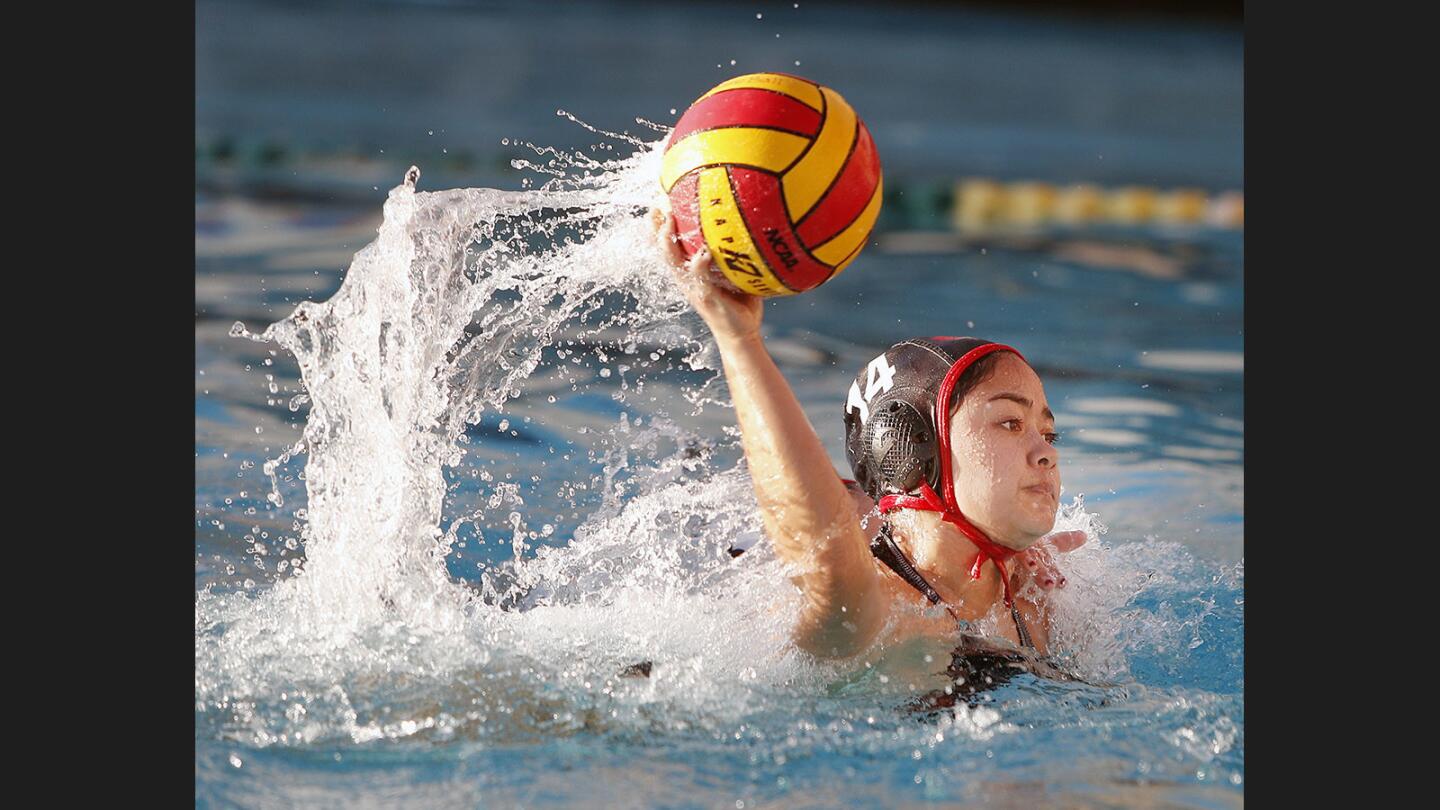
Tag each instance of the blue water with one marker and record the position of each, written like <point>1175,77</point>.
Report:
<point>523,706</point>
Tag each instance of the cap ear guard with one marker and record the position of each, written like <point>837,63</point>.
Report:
<point>898,446</point>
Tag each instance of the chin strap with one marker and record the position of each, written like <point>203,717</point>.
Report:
<point>928,501</point>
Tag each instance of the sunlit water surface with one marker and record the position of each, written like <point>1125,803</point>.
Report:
<point>488,464</point>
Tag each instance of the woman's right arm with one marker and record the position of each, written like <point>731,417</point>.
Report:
<point>807,511</point>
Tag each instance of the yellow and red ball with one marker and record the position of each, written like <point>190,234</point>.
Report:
<point>778,176</point>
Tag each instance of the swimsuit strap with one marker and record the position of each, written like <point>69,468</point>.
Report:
<point>887,551</point>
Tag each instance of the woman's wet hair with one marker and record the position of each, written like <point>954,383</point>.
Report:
<point>971,378</point>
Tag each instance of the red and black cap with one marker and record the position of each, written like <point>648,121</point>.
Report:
<point>897,431</point>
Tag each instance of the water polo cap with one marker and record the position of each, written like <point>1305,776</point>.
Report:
<point>897,440</point>
<point>897,415</point>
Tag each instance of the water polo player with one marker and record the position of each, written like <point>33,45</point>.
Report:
<point>964,501</point>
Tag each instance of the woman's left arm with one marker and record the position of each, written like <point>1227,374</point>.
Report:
<point>1038,561</point>
<point>1037,564</point>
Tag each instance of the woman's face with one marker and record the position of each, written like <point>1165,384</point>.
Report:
<point>1003,457</point>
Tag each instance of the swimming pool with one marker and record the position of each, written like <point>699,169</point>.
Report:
<point>415,662</point>
<point>602,459</point>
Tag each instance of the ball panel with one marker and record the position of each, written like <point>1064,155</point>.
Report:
<point>767,149</point>
<point>759,197</point>
<point>685,206</point>
<point>845,262</point>
<point>744,107</point>
<point>817,168</point>
<point>847,198</point>
<point>728,236</point>
<point>805,91</point>
<point>850,240</point>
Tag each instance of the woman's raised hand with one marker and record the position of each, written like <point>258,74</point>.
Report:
<point>731,316</point>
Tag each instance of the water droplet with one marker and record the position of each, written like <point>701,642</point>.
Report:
<point>732,61</point>
<point>797,62</point>
<point>236,761</point>
<point>759,16</point>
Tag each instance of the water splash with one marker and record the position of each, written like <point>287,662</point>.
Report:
<point>439,321</point>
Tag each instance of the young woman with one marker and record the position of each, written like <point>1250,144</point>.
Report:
<point>966,490</point>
